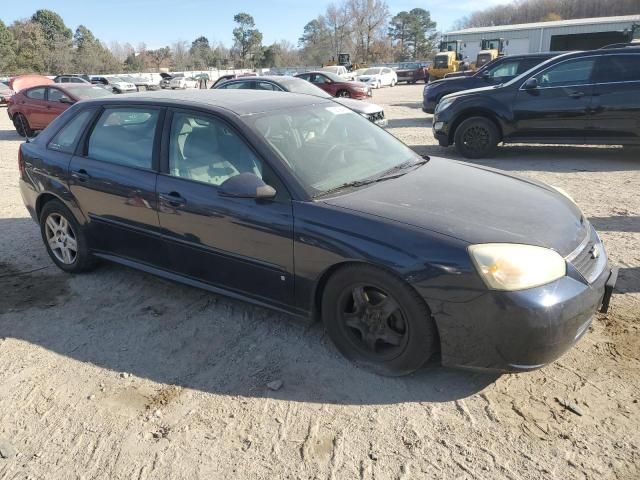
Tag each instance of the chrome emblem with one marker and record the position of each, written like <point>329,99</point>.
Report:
<point>595,252</point>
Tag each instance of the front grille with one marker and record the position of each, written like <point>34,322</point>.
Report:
<point>589,258</point>
<point>376,117</point>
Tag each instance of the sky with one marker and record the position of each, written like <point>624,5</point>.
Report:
<point>158,23</point>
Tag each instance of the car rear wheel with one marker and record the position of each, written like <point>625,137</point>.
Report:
<point>393,83</point>
<point>343,94</point>
<point>477,137</point>
<point>64,239</point>
<point>378,321</point>
<point>22,125</point>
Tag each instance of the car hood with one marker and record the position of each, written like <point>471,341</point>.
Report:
<point>26,81</point>
<point>358,105</point>
<point>453,81</point>
<point>473,203</point>
<point>473,91</point>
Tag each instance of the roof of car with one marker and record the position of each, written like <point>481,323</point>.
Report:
<point>241,102</point>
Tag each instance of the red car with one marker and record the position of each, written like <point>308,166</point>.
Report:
<point>337,86</point>
<point>35,107</point>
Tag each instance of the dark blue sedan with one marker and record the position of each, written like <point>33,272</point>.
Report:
<point>299,204</point>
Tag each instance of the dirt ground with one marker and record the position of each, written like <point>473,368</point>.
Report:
<point>117,374</point>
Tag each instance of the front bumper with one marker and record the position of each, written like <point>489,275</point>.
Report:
<point>440,130</point>
<point>524,330</point>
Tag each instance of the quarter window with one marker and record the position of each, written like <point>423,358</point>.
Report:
<point>124,136</point>
<point>206,150</point>
<point>572,72</point>
<point>55,95</point>
<point>65,139</point>
<point>36,93</point>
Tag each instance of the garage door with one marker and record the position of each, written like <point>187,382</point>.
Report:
<point>517,46</point>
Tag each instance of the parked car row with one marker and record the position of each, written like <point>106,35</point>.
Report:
<point>590,97</point>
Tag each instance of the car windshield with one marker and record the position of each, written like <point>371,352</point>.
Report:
<point>115,79</point>
<point>128,78</point>
<point>302,86</point>
<point>408,66</point>
<point>372,71</point>
<point>81,91</point>
<point>331,69</point>
<point>441,61</point>
<point>327,146</point>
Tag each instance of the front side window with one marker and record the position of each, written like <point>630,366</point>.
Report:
<point>55,95</point>
<point>36,93</point>
<point>569,73</point>
<point>204,149</point>
<point>505,69</point>
<point>65,139</point>
<point>236,86</point>
<point>124,136</point>
<point>327,145</point>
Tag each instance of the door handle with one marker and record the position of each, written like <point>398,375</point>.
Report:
<point>576,94</point>
<point>172,198</point>
<point>81,175</point>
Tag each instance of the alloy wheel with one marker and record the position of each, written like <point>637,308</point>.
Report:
<point>374,321</point>
<point>61,238</point>
<point>476,138</point>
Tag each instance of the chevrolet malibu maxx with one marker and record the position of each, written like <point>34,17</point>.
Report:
<point>297,203</point>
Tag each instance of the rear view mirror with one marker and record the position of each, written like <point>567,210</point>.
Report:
<point>246,185</point>
<point>530,84</point>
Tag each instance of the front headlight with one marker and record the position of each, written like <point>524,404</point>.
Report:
<point>444,104</point>
<point>509,266</point>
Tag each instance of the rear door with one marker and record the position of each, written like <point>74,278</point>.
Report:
<point>34,107</point>
<point>616,101</point>
<point>560,107</point>
<point>113,177</point>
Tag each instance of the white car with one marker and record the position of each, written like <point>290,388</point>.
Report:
<point>377,77</point>
<point>114,84</point>
<point>183,82</point>
<point>340,71</point>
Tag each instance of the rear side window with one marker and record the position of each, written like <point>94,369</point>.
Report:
<point>571,72</point>
<point>65,139</point>
<point>124,136</point>
<point>55,95</point>
<point>505,69</point>
<point>618,68</point>
<point>267,86</point>
<point>36,93</point>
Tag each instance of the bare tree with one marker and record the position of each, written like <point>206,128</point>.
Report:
<point>369,22</point>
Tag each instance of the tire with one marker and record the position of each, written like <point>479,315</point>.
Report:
<point>22,125</point>
<point>343,94</point>
<point>477,137</point>
<point>393,83</point>
<point>395,343</point>
<point>58,226</point>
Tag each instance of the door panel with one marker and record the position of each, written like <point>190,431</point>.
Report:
<point>34,107</point>
<point>560,108</point>
<point>114,189</point>
<point>54,106</point>
<point>235,243</point>
<point>616,101</point>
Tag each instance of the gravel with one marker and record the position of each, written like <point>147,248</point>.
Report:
<point>205,360</point>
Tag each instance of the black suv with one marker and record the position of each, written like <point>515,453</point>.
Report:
<point>498,71</point>
<point>577,98</point>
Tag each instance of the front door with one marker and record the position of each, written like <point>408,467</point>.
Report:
<point>54,106</point>
<point>240,244</point>
<point>35,107</point>
<point>560,107</point>
<point>114,182</point>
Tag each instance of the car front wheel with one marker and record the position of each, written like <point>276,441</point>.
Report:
<point>343,94</point>
<point>378,321</point>
<point>64,239</point>
<point>477,137</point>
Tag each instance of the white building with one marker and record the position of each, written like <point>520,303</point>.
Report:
<point>562,35</point>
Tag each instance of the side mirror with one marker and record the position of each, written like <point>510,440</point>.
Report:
<point>530,84</point>
<point>66,100</point>
<point>247,185</point>
<point>486,75</point>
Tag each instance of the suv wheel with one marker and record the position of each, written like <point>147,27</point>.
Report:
<point>477,137</point>
<point>343,94</point>
<point>64,239</point>
<point>378,321</point>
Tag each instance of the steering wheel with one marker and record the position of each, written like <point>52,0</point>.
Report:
<point>331,151</point>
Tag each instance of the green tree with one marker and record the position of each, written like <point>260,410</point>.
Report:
<point>421,33</point>
<point>134,63</point>
<point>201,54</point>
<point>248,39</point>
<point>90,55</point>
<point>52,24</point>
<point>399,32</point>
<point>7,49</point>
<point>30,47</point>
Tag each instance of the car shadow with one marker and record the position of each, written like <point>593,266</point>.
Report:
<point>628,280</point>
<point>123,320</point>
<point>413,105</point>
<point>617,223</point>
<point>10,135</point>
<point>547,158</point>
<point>409,122</point>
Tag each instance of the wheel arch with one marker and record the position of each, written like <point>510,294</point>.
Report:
<point>46,197</point>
